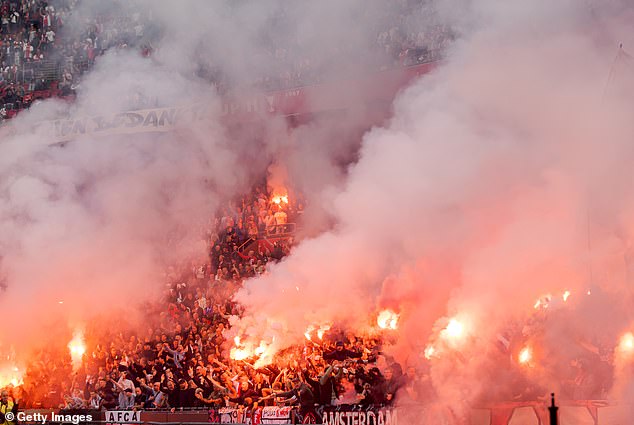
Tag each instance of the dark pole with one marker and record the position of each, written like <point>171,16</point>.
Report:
<point>554,419</point>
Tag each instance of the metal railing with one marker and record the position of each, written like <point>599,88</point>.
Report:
<point>272,232</point>
<point>286,229</point>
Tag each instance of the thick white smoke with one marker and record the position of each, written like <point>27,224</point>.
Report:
<point>89,227</point>
<point>502,177</point>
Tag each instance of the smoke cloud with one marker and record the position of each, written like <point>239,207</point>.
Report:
<point>502,177</point>
<point>89,227</point>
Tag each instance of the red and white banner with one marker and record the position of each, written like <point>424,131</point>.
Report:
<point>275,415</point>
<point>260,415</point>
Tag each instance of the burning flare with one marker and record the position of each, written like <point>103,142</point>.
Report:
<point>626,343</point>
<point>544,301</point>
<point>260,349</point>
<point>454,329</point>
<point>429,352</point>
<point>566,295</point>
<point>387,319</point>
<point>77,348</point>
<point>454,333</point>
<point>525,355</point>
<point>308,333</point>
<point>239,353</point>
<point>321,331</point>
<point>279,199</point>
<point>243,351</point>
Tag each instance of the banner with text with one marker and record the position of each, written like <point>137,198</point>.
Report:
<point>358,415</point>
<point>259,415</point>
<point>131,122</point>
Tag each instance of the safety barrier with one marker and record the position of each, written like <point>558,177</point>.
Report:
<point>571,412</point>
<point>265,240</point>
<point>578,412</point>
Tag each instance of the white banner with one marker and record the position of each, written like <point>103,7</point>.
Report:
<point>122,416</point>
<point>131,122</point>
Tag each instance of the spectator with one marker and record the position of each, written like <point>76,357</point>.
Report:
<point>140,399</point>
<point>35,29</point>
<point>300,394</point>
<point>183,361</point>
<point>126,399</point>
<point>341,353</point>
<point>7,404</point>
<point>75,401</point>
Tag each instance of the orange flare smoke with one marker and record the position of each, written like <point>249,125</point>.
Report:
<point>10,375</point>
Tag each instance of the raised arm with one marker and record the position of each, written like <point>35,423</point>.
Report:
<point>326,375</point>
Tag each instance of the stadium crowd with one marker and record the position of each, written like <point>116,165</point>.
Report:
<point>46,46</point>
<point>42,57</point>
<point>184,360</point>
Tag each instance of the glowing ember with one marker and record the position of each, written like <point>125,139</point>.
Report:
<point>626,343</point>
<point>387,319</point>
<point>566,295</point>
<point>77,348</point>
<point>525,356</point>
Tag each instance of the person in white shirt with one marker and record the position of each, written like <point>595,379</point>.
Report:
<point>95,401</point>
<point>125,383</point>
<point>126,391</point>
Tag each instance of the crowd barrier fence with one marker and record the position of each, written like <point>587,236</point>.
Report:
<point>578,412</point>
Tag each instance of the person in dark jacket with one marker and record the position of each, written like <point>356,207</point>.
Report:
<point>246,395</point>
<point>340,353</point>
<point>327,384</point>
<point>301,394</point>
